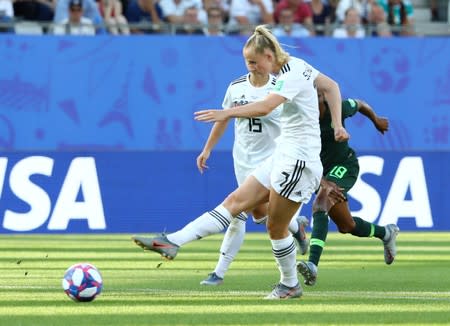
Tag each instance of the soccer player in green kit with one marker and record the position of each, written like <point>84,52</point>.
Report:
<point>340,167</point>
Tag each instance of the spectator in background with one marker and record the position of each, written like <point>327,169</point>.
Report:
<point>223,5</point>
<point>321,17</point>
<point>362,6</point>
<point>333,6</point>
<point>34,10</point>
<point>112,13</point>
<point>287,26</point>
<point>434,11</point>
<point>215,22</point>
<point>191,24</point>
<point>377,23</point>
<point>351,26</point>
<point>75,23</point>
<point>400,15</point>
<point>173,10</point>
<point>6,9</point>
<point>245,13</point>
<point>383,30</point>
<point>6,16</point>
<point>302,11</point>
<point>90,10</point>
<point>144,11</point>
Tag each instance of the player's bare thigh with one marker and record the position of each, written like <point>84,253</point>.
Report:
<point>246,197</point>
<point>281,211</point>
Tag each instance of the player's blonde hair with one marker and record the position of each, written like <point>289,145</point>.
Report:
<point>261,39</point>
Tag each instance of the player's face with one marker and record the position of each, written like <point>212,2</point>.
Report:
<point>258,63</point>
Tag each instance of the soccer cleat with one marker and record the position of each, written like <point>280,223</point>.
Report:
<point>281,291</point>
<point>309,272</point>
<point>159,244</point>
<point>390,248</point>
<point>212,279</point>
<point>300,235</point>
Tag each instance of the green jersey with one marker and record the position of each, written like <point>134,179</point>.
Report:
<point>334,153</point>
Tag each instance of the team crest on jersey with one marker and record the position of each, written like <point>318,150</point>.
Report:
<point>279,85</point>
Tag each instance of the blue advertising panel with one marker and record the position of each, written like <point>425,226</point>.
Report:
<point>138,192</point>
<point>98,134</point>
<point>140,92</point>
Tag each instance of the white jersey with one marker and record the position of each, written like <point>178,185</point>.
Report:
<point>299,120</point>
<point>254,138</point>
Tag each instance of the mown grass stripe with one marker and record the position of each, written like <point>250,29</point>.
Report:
<point>354,285</point>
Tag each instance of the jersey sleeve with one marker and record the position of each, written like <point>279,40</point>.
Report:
<point>295,78</point>
<point>227,100</point>
<point>349,108</point>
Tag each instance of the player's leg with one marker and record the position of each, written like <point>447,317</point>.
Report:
<point>297,228</point>
<point>283,247</point>
<point>308,269</point>
<point>341,215</point>
<point>258,183</point>
<point>345,176</point>
<point>250,194</point>
<point>208,223</point>
<point>293,183</point>
<point>231,244</point>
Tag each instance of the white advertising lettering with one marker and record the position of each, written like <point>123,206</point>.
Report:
<point>409,176</point>
<point>81,177</point>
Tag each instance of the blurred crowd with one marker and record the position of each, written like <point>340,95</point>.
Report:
<point>300,18</point>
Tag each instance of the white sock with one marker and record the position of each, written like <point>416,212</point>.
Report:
<point>261,220</point>
<point>211,222</point>
<point>232,242</point>
<point>285,252</point>
<point>293,225</point>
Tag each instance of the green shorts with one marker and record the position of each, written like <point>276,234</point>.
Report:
<point>344,174</point>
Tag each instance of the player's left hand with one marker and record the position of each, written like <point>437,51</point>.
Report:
<point>211,115</point>
<point>382,124</point>
<point>340,134</point>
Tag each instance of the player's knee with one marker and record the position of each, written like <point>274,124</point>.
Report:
<point>233,203</point>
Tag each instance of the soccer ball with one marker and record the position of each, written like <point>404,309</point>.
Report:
<point>82,282</point>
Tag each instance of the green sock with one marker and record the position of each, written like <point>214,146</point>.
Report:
<point>318,236</point>
<point>365,229</point>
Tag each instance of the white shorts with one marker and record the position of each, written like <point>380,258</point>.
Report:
<point>241,173</point>
<point>291,178</point>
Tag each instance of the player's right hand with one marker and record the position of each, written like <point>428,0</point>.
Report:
<point>333,191</point>
<point>340,134</point>
<point>201,161</point>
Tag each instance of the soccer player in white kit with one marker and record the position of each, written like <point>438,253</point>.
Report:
<point>293,172</point>
<point>254,142</point>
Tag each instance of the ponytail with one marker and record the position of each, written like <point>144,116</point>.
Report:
<point>261,39</point>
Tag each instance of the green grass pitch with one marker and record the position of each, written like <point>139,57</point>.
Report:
<point>354,287</point>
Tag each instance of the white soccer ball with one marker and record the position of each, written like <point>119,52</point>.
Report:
<point>82,282</point>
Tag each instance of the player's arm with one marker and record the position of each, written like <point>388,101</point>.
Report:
<point>381,123</point>
<point>332,93</point>
<point>216,133</point>
<point>251,110</point>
